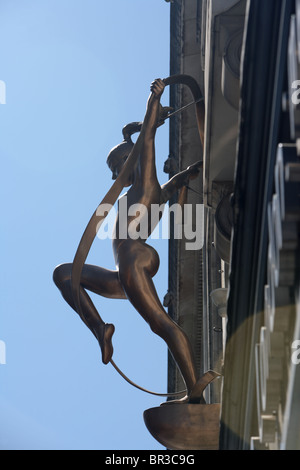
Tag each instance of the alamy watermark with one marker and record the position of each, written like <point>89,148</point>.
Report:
<point>137,222</point>
<point>2,352</point>
<point>2,92</point>
<point>296,354</point>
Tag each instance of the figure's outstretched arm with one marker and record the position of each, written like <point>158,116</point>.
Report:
<point>150,124</point>
<point>179,181</point>
<point>153,106</point>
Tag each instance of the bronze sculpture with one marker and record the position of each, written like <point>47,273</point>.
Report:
<point>136,261</point>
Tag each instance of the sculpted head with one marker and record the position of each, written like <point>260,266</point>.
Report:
<point>119,154</point>
<point>117,157</point>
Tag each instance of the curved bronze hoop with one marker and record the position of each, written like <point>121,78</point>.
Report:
<point>110,198</point>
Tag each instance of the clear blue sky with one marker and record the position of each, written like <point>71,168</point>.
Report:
<point>76,72</point>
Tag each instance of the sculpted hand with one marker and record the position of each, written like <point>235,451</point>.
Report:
<point>193,170</point>
<point>157,87</point>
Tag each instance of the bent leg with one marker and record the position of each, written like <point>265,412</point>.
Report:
<point>99,281</point>
<point>138,263</point>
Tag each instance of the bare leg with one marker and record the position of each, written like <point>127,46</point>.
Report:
<point>99,281</point>
<point>138,263</point>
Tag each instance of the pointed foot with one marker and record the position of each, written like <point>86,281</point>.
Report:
<point>196,395</point>
<point>104,335</point>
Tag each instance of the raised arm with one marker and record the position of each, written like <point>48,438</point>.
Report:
<point>150,124</point>
<point>179,181</point>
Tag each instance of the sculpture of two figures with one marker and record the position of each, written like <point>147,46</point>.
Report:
<point>136,261</point>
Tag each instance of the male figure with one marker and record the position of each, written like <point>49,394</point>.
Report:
<point>136,261</point>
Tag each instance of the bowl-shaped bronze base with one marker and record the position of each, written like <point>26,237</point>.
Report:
<point>185,426</point>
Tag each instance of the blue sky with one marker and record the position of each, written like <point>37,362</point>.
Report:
<point>76,71</point>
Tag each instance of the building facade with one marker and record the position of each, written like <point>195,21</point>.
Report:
<point>238,297</point>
